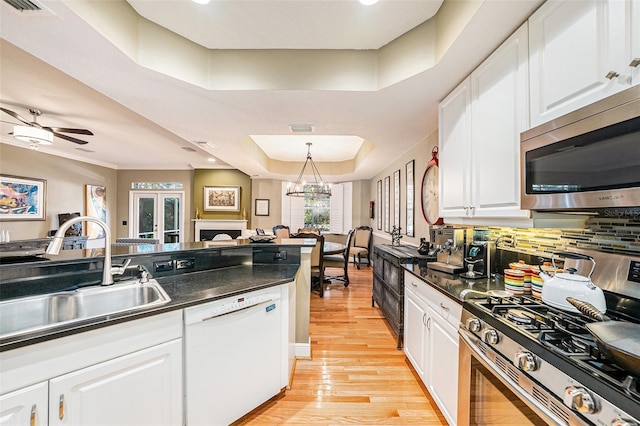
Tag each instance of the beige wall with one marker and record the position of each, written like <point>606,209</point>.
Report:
<point>66,180</point>
<point>222,177</point>
<point>126,177</point>
<point>421,153</point>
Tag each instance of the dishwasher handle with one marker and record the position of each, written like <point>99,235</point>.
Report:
<point>244,308</point>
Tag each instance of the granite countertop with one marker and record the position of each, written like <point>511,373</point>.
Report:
<point>185,290</point>
<point>452,285</point>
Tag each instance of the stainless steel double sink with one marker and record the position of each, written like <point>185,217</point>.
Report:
<point>35,313</point>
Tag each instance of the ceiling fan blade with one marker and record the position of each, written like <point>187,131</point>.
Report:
<point>68,130</point>
<point>16,116</point>
<point>70,138</point>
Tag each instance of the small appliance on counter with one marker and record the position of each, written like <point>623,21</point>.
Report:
<point>449,248</point>
<point>478,259</point>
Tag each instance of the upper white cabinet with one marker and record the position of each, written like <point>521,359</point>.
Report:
<point>580,52</point>
<point>480,124</point>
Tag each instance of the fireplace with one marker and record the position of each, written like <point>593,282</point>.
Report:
<point>206,229</point>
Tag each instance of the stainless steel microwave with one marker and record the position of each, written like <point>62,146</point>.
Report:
<point>588,159</point>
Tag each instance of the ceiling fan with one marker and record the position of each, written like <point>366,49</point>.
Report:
<point>55,131</point>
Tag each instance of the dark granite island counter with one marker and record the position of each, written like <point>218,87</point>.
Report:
<point>190,273</point>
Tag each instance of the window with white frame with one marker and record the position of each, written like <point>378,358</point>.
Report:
<point>333,215</point>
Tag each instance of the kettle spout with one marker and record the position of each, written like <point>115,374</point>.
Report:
<point>545,276</point>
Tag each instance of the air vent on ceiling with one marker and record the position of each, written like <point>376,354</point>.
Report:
<point>23,5</point>
<point>301,128</point>
<point>188,148</point>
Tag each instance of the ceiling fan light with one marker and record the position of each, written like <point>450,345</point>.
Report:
<point>33,135</point>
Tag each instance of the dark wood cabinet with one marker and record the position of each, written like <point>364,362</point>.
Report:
<point>388,282</point>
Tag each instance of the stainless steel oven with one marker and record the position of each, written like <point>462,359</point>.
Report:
<point>492,391</point>
<point>588,159</point>
<point>523,362</point>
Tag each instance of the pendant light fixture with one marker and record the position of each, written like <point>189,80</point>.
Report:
<point>315,189</point>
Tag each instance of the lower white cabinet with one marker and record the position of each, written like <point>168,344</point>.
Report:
<point>25,407</point>
<point>125,374</point>
<point>431,342</point>
<point>142,388</point>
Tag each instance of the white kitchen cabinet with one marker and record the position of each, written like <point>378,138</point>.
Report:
<point>455,152</point>
<point>25,407</point>
<point>127,373</point>
<point>142,388</point>
<point>415,336</point>
<point>634,60</point>
<point>580,52</point>
<point>480,126</point>
<point>431,342</point>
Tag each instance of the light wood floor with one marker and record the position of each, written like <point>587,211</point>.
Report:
<point>356,375</point>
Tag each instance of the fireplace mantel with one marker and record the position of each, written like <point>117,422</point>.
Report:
<point>218,225</point>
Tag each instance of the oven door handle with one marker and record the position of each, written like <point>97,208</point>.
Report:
<point>468,340</point>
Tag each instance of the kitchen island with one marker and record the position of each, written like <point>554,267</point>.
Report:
<point>135,359</point>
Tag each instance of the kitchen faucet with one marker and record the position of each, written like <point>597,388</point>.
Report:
<point>109,271</point>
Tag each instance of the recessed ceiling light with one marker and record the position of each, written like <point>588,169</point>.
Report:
<point>205,143</point>
<point>211,160</point>
<point>365,2</point>
<point>201,1</point>
<point>301,128</point>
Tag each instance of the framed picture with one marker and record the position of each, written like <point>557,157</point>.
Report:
<point>387,204</point>
<point>221,198</point>
<point>262,207</point>
<point>396,198</point>
<point>410,193</point>
<point>379,208</point>
<point>22,198</point>
<point>95,205</point>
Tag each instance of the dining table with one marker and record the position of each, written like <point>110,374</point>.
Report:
<point>330,247</point>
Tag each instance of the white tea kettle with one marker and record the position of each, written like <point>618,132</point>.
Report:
<point>561,285</point>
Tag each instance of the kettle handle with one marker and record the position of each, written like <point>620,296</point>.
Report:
<point>572,255</point>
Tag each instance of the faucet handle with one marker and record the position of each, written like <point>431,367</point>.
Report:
<point>119,270</point>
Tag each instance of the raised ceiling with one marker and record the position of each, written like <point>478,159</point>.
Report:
<point>147,93</point>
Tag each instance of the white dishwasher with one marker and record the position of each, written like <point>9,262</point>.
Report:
<point>235,355</point>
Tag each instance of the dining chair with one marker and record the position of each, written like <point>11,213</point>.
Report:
<point>309,229</point>
<point>317,266</point>
<point>281,231</point>
<point>339,261</point>
<point>363,236</point>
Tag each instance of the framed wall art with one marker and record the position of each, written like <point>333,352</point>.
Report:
<point>22,198</point>
<point>379,201</point>
<point>261,207</point>
<point>396,198</point>
<point>95,205</point>
<point>221,198</point>
<point>387,204</point>
<point>410,194</point>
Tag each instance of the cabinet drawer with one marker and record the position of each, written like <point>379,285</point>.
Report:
<point>448,308</point>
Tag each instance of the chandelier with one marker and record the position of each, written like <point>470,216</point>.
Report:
<point>316,189</point>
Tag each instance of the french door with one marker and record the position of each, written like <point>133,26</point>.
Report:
<point>156,214</point>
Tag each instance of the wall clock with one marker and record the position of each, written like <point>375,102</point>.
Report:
<point>430,191</point>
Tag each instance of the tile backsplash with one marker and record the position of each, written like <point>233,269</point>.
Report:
<point>612,235</point>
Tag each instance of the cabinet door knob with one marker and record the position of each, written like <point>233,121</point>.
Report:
<point>34,415</point>
<point>429,323</point>
<point>611,75</point>
<point>634,62</point>
<point>61,407</point>
<point>446,308</point>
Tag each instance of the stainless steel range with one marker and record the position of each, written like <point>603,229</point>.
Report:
<point>523,362</point>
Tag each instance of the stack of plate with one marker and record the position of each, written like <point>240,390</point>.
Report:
<point>514,281</point>
<point>536,283</point>
<point>521,266</point>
